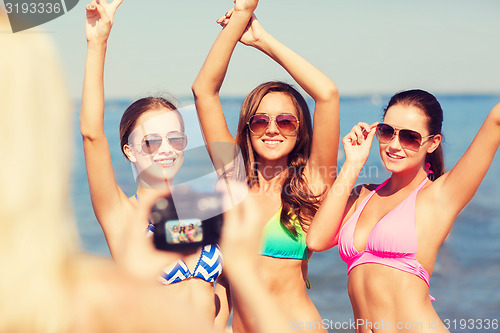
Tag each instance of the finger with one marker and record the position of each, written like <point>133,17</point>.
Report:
<point>364,127</point>
<point>375,124</point>
<point>371,134</point>
<point>103,13</point>
<point>226,15</point>
<point>358,132</point>
<point>346,142</point>
<point>349,139</point>
<point>91,7</point>
<point>94,3</point>
<point>147,204</point>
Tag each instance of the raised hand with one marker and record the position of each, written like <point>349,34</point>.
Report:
<point>253,32</point>
<point>247,5</point>
<point>99,21</point>
<point>358,142</point>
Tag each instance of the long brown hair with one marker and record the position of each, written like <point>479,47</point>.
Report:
<point>430,106</point>
<point>296,197</point>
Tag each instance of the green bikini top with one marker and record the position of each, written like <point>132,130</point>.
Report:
<point>279,242</point>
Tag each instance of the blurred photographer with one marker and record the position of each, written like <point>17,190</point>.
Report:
<point>47,284</point>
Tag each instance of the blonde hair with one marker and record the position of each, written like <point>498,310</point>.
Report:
<point>37,231</point>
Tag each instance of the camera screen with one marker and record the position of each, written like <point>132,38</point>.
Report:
<point>183,231</point>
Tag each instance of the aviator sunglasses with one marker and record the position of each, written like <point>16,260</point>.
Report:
<point>287,123</point>
<point>408,139</point>
<point>152,142</point>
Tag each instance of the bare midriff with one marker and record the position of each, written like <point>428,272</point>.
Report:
<point>286,280</point>
<point>385,299</point>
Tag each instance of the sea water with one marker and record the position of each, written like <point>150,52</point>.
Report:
<point>466,278</point>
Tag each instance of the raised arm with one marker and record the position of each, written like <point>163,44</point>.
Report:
<point>326,132</point>
<point>456,188</point>
<point>104,191</point>
<point>339,201</point>
<point>209,80</point>
<point>169,230</point>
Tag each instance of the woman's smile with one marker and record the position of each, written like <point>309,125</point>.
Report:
<point>271,143</point>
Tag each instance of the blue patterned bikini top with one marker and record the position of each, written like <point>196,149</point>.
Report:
<point>208,268</point>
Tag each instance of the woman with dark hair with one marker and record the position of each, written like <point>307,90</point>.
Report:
<point>287,164</point>
<point>152,138</point>
<point>390,234</point>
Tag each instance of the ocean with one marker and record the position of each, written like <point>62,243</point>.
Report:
<point>466,279</point>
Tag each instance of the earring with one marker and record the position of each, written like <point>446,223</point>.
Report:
<point>428,168</point>
<point>429,171</point>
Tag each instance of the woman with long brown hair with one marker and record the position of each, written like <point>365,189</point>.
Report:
<point>287,164</point>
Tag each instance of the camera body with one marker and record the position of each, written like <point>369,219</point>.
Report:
<point>187,219</point>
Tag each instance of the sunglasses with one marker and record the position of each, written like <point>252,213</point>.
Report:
<point>152,142</point>
<point>408,139</point>
<point>287,123</point>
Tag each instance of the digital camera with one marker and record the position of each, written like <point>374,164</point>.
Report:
<point>187,219</point>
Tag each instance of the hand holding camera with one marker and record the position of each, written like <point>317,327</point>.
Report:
<point>186,219</point>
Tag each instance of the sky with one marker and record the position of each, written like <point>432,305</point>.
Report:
<point>364,46</point>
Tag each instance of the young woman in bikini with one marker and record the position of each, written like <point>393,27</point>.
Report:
<point>287,164</point>
<point>153,140</point>
<point>389,234</point>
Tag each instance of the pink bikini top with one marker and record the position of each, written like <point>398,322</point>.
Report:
<point>392,241</point>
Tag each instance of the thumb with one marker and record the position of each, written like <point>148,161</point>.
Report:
<point>147,204</point>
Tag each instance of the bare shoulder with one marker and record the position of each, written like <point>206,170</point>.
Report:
<point>358,194</point>
<point>362,190</point>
